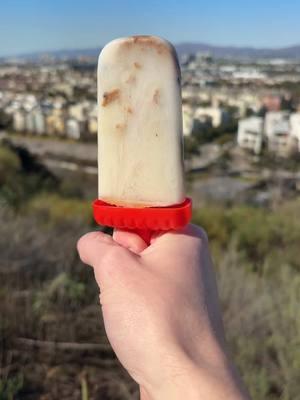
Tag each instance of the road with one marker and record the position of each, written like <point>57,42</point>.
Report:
<point>53,148</point>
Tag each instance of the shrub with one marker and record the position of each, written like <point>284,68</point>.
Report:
<point>9,164</point>
<point>55,210</point>
<point>63,291</point>
<point>11,386</point>
<point>22,176</point>
<point>267,238</point>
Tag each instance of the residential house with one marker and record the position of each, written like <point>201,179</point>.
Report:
<point>39,121</point>
<point>73,130</point>
<point>187,119</point>
<point>218,116</point>
<point>276,122</point>
<point>29,122</point>
<point>55,123</point>
<point>277,130</point>
<point>295,127</point>
<point>19,120</point>
<point>250,134</point>
<point>92,120</point>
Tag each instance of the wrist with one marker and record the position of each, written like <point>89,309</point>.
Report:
<point>213,378</point>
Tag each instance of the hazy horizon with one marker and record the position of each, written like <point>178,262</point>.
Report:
<point>88,47</point>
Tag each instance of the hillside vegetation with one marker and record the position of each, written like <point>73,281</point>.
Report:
<point>49,301</point>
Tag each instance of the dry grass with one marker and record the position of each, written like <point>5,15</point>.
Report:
<point>50,297</point>
<point>261,316</point>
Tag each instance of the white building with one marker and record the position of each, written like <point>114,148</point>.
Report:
<point>73,130</point>
<point>277,123</point>
<point>217,115</point>
<point>249,74</point>
<point>92,119</point>
<point>39,121</point>
<point>295,127</point>
<point>189,93</point>
<point>92,125</point>
<point>19,121</point>
<point>187,120</point>
<point>250,133</point>
<point>277,130</point>
<point>282,144</point>
<point>64,88</point>
<point>78,111</point>
<point>28,101</point>
<point>29,122</point>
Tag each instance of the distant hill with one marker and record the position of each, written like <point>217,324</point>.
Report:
<point>59,54</point>
<point>292,52</point>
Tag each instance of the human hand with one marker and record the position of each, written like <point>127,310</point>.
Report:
<point>161,313</point>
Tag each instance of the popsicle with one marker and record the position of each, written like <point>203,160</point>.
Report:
<point>140,123</point>
<point>140,154</point>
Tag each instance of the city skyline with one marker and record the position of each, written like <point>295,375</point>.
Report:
<point>34,26</point>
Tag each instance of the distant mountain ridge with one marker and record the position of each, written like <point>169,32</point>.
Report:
<point>291,52</point>
<point>59,54</point>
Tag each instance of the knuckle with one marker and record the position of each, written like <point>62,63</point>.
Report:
<point>112,257</point>
<point>107,268</point>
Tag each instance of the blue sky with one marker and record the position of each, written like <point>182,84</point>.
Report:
<point>29,25</point>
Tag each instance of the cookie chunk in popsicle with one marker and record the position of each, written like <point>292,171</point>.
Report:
<point>140,123</point>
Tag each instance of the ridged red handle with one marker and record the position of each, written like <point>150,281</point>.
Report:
<point>145,234</point>
<point>144,220</point>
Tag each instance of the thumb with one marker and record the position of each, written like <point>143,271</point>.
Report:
<point>110,261</point>
<point>92,246</point>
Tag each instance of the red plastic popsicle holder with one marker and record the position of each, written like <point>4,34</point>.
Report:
<point>143,221</point>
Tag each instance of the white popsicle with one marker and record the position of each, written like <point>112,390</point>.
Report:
<point>140,123</point>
